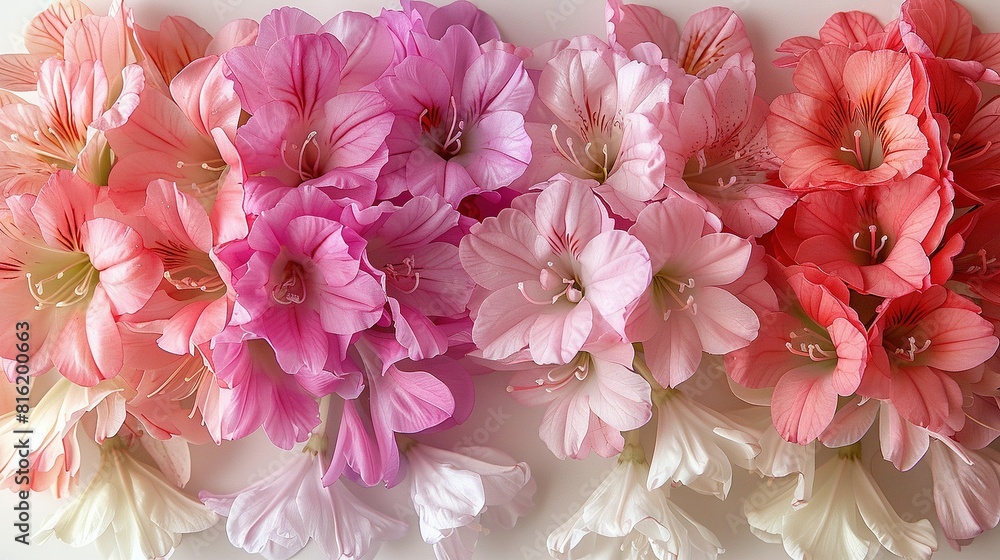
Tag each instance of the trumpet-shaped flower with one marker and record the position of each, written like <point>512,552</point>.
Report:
<point>558,273</point>
<point>944,29</point>
<point>964,488</point>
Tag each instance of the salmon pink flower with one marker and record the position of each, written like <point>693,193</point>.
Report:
<point>853,122</point>
<point>711,38</point>
<point>557,272</point>
<point>75,273</point>
<point>944,29</point>
<point>43,38</point>
<point>852,29</point>
<point>715,143</point>
<point>589,401</point>
<point>812,351</point>
<point>877,239</point>
<point>976,265</point>
<point>687,308</point>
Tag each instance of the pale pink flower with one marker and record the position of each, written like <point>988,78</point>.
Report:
<point>944,29</point>
<point>43,38</point>
<point>278,515</point>
<point>461,493</point>
<point>715,143</point>
<point>589,401</point>
<point>687,309</point>
<point>557,272</point>
<point>965,490</point>
<point>459,126</point>
<point>75,273</point>
<point>711,38</point>
<point>598,123</point>
<point>853,122</point>
<point>812,350</point>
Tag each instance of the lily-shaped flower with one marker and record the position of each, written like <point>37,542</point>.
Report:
<point>278,515</point>
<point>75,273</point>
<point>558,273</point>
<point>965,488</point>
<point>128,509</point>
<point>626,520</point>
<point>853,29</point>
<point>944,29</point>
<point>459,494</point>
<point>43,38</point>
<point>853,121</point>
<point>589,401</point>
<point>847,516</point>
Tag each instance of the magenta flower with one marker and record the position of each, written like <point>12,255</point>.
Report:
<point>75,273</point>
<point>557,273</point>
<point>459,127</point>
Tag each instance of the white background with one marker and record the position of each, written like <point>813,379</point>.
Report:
<point>563,486</point>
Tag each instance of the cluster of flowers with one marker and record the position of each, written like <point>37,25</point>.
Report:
<point>325,230</point>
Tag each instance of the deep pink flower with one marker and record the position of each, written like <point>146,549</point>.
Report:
<point>688,308</point>
<point>711,38</point>
<point>459,127</point>
<point>715,143</point>
<point>557,273</point>
<point>589,401</point>
<point>877,239</point>
<point>853,122</point>
<point>74,273</point>
<point>944,29</point>
<point>438,19</point>
<point>812,351</point>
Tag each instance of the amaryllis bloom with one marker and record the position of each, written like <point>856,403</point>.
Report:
<point>944,29</point>
<point>847,516</point>
<point>278,515</point>
<point>715,143</point>
<point>778,457</point>
<point>853,121</point>
<point>625,520</point>
<point>599,125</point>
<point>43,38</point>
<point>589,401</point>
<point>925,339</point>
<point>711,38</point>
<point>459,119</point>
<point>877,239</point>
<point>557,272</point>
<point>697,446</point>
<point>812,351</point>
<point>687,309</point>
<point>976,265</point>
<point>852,29</point>
<point>963,492</point>
<point>460,493</point>
<point>54,453</point>
<point>128,509</point>
<point>414,248</point>
<point>74,273</point>
<point>299,283</point>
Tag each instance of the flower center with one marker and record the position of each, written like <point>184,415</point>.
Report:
<point>291,289</point>
<point>909,349</point>
<point>599,163</point>
<point>864,147</point>
<point>577,369</point>
<point>404,275</point>
<point>189,270</point>
<point>808,343</point>
<point>305,168</point>
<point>70,284</point>
<point>551,279</point>
<point>979,264</point>
<point>448,143</point>
<point>874,246</point>
<point>674,294</point>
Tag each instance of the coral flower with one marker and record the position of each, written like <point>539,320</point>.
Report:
<point>852,29</point>
<point>944,29</point>
<point>853,122</point>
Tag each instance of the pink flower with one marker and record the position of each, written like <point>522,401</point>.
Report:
<point>975,264</point>
<point>44,39</point>
<point>437,20</point>
<point>812,351</point>
<point>178,42</point>
<point>853,29</point>
<point>299,283</point>
<point>853,122</point>
<point>964,493</point>
<point>877,239</point>
<point>711,39</point>
<point>589,401</point>
<point>925,339</point>
<point>715,143</point>
<point>459,127</point>
<point>557,273</point>
<point>944,29</point>
<point>83,272</point>
<point>687,308</point>
<point>599,124</point>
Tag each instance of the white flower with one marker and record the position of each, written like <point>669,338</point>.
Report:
<point>966,496</point>
<point>128,509</point>
<point>458,494</point>
<point>623,519</point>
<point>278,515</point>
<point>696,446</point>
<point>847,517</point>
<point>778,457</point>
